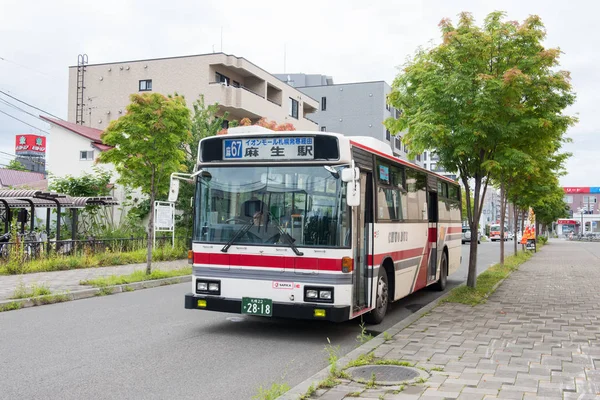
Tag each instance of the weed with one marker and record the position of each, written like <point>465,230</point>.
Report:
<point>104,291</point>
<point>309,392</point>
<point>371,383</point>
<point>425,330</point>
<point>438,369</point>
<point>486,281</point>
<point>387,337</point>
<point>136,276</point>
<point>276,390</point>
<point>363,336</point>
<point>127,288</point>
<point>363,359</point>
<point>420,380</point>
<point>13,305</point>
<point>354,394</point>
<point>327,383</point>
<point>400,389</point>
<point>333,355</point>
<point>394,362</point>
<point>51,299</point>
<point>23,292</point>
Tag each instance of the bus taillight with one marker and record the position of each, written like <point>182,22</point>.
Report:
<point>347,264</point>
<point>190,257</point>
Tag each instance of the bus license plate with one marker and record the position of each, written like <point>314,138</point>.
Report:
<point>252,306</point>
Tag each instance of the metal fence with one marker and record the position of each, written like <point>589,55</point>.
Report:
<point>35,249</point>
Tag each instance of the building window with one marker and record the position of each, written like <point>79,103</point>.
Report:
<point>425,165</point>
<point>235,84</point>
<point>433,166</point>
<point>425,156</point>
<point>398,143</point>
<point>225,124</point>
<point>418,157</point>
<point>387,135</point>
<point>568,199</point>
<point>406,149</point>
<point>293,108</point>
<point>589,199</point>
<point>145,85</point>
<point>398,113</point>
<point>323,129</point>
<point>220,78</point>
<point>86,155</point>
<point>323,103</point>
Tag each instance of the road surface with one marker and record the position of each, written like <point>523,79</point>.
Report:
<point>144,344</point>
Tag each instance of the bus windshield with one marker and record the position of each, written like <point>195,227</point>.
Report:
<point>256,204</point>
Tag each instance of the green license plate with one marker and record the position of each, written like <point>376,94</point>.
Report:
<point>252,306</point>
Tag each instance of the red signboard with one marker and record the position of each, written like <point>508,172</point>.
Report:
<point>570,190</point>
<point>30,144</point>
<point>567,222</point>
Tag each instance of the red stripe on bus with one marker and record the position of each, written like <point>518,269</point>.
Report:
<point>253,260</point>
<point>454,229</point>
<point>395,255</point>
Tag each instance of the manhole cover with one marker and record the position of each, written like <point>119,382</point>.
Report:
<point>385,374</point>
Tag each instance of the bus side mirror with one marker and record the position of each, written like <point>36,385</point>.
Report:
<point>350,174</point>
<point>353,194</point>
<point>173,190</point>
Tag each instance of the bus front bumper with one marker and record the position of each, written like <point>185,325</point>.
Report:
<point>280,310</point>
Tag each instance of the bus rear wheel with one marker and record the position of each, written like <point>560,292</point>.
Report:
<point>382,300</point>
<point>441,283</point>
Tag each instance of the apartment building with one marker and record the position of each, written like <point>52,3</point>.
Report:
<point>352,109</point>
<point>99,93</point>
<point>431,162</point>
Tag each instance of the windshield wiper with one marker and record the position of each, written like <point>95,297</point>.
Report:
<point>284,234</point>
<point>239,233</point>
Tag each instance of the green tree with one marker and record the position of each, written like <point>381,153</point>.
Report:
<point>475,93</point>
<point>148,145</point>
<point>15,165</point>
<point>92,219</point>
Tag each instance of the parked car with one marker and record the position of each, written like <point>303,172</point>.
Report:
<point>466,236</point>
<point>511,236</point>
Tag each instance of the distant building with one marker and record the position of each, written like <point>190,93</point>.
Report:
<point>99,93</point>
<point>10,178</point>
<point>584,213</point>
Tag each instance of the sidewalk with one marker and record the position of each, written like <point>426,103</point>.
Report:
<point>537,337</point>
<point>61,281</point>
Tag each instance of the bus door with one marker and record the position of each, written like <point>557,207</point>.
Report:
<point>361,228</point>
<point>432,235</point>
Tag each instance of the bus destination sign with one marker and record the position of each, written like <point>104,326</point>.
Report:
<point>271,149</point>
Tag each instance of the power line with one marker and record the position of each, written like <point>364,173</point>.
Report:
<point>20,120</point>
<point>20,109</point>
<point>26,67</point>
<point>21,101</point>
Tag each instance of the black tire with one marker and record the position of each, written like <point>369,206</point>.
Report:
<point>440,285</point>
<point>382,300</point>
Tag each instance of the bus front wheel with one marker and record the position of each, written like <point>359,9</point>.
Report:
<point>381,302</point>
<point>441,283</point>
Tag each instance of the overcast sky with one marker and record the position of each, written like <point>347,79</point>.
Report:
<point>347,39</point>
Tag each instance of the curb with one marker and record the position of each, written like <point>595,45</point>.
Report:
<point>300,389</point>
<point>92,292</point>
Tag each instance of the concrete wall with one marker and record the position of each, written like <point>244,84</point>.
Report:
<point>108,87</point>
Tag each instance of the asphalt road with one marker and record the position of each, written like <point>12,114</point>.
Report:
<point>144,344</point>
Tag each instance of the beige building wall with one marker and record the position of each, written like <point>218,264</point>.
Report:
<point>107,88</point>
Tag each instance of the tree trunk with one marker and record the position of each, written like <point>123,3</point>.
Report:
<point>473,216</point>
<point>151,226</point>
<point>516,225</point>
<point>502,220</point>
<point>523,216</point>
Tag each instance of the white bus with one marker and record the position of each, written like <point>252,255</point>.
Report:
<point>315,225</point>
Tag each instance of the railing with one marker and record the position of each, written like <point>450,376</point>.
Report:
<point>35,249</point>
<point>587,237</point>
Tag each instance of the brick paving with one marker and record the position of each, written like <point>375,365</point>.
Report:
<point>537,337</point>
<point>61,281</point>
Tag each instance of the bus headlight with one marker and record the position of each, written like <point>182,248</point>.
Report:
<point>208,287</point>
<point>325,294</point>
<point>315,294</point>
<point>213,287</point>
<point>202,286</point>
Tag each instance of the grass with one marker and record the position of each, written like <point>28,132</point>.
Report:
<point>486,281</point>
<point>364,336</point>
<point>13,305</point>
<point>137,276</point>
<point>276,390</point>
<point>60,263</point>
<point>23,292</point>
<point>387,337</point>
<point>51,299</point>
